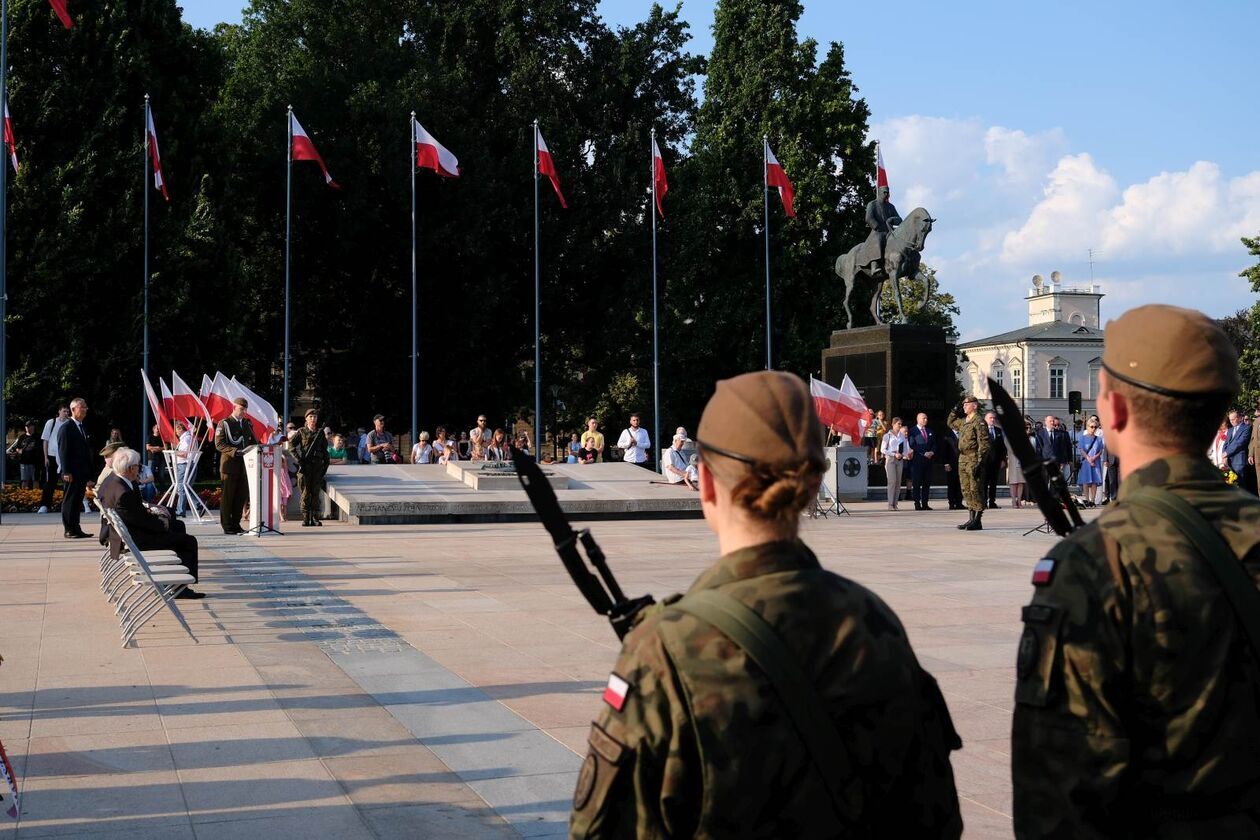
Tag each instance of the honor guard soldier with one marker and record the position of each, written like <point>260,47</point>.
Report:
<point>309,449</point>
<point>774,699</point>
<point>233,435</point>
<point>1138,674</point>
<point>973,449</point>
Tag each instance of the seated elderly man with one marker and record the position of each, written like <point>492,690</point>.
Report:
<point>149,531</point>
<point>676,461</point>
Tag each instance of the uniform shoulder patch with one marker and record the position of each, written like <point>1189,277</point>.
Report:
<point>1043,572</point>
<point>615,692</point>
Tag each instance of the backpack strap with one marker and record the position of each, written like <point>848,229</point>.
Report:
<point>805,706</point>
<point>1240,590</point>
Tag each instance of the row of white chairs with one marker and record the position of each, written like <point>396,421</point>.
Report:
<point>140,585</point>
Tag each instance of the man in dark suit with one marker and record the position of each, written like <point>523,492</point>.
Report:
<point>947,447</point>
<point>148,530</point>
<point>1054,445</point>
<point>1237,442</point>
<point>995,460</point>
<point>74,455</point>
<point>922,442</point>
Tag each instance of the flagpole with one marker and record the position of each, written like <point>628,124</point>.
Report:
<point>537,309</point>
<point>765,202</point>
<point>288,229</point>
<point>4,212</point>
<point>144,186</point>
<point>415,346</point>
<point>656,358</point>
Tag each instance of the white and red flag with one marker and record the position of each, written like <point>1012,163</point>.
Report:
<point>9,141</point>
<point>159,180</point>
<point>160,416</point>
<point>430,154</point>
<point>301,148</point>
<point>776,177</point>
<point>218,397</point>
<point>262,416</point>
<point>547,166</point>
<point>659,184</point>
<point>186,402</point>
<point>59,6</point>
<point>841,409</point>
<point>881,174</point>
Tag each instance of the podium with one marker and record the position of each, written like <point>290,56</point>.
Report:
<point>846,477</point>
<point>262,465</point>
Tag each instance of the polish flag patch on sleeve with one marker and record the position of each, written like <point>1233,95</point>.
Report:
<point>615,692</point>
<point>1043,572</point>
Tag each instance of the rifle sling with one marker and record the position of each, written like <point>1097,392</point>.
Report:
<point>805,706</point>
<point>1240,590</point>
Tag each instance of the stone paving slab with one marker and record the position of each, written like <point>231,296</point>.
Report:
<point>421,681</point>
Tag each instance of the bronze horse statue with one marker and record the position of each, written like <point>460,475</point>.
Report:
<point>901,261</point>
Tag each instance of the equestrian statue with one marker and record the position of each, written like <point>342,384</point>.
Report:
<point>891,253</point>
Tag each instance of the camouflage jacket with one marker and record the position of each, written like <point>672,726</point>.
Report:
<point>1137,694</point>
<point>973,436</point>
<point>310,451</point>
<point>692,740</point>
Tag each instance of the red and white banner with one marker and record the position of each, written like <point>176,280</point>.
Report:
<point>547,166</point>
<point>159,181</point>
<point>217,397</point>
<point>303,149</point>
<point>59,6</point>
<point>9,142</point>
<point>262,416</point>
<point>841,409</point>
<point>430,154</point>
<point>659,184</point>
<point>776,177</point>
<point>163,420</point>
<point>187,405</point>
<point>881,174</point>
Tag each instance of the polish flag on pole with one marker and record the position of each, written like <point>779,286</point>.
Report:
<point>187,404</point>
<point>165,431</point>
<point>547,166</point>
<point>776,177</point>
<point>168,401</point>
<point>159,180</point>
<point>262,416</point>
<point>881,174</point>
<point>303,149</point>
<point>218,397</point>
<point>9,141</point>
<point>430,154</point>
<point>658,177</point>
<point>842,409</point>
<point>59,6</point>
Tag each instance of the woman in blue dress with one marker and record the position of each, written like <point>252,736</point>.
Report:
<point>1090,446</point>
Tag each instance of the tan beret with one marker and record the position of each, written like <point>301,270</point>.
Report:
<point>765,417</point>
<point>310,412</point>
<point>1171,351</point>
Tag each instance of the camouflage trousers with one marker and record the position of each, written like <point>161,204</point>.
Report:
<point>972,488</point>
<point>310,487</point>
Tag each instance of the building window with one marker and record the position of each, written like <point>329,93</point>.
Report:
<point>1058,382</point>
<point>1094,365</point>
<point>1017,383</point>
<point>998,374</point>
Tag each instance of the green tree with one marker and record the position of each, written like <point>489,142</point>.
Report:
<point>1249,321</point>
<point>939,310</point>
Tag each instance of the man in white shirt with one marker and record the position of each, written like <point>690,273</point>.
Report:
<point>676,465</point>
<point>635,442</point>
<point>49,438</point>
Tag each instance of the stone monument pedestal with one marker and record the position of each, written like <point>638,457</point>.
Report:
<point>900,368</point>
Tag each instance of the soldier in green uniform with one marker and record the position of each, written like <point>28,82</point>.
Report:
<point>309,449</point>
<point>233,435</point>
<point>693,738</point>
<point>973,446</point>
<point>1138,687</point>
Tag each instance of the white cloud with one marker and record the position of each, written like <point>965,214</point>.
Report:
<point>1066,220</point>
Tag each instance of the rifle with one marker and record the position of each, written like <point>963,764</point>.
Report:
<point>1045,483</point>
<point>602,592</point>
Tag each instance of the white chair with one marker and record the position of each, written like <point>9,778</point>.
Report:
<point>155,580</point>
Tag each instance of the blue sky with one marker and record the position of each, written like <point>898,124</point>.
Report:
<point>1034,132</point>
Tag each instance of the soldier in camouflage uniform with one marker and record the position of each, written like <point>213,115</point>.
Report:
<point>309,449</point>
<point>1137,711</point>
<point>973,447</point>
<point>692,738</point>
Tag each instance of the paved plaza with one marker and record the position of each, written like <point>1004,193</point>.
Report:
<point>419,680</point>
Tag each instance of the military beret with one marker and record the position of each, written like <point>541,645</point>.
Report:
<point>970,398</point>
<point>1171,351</point>
<point>112,447</point>
<point>765,417</point>
<point>310,412</point>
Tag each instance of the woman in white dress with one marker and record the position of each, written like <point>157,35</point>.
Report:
<point>1015,470</point>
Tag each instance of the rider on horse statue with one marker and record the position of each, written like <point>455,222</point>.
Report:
<point>881,217</point>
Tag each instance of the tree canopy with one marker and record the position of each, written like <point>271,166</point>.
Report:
<point>477,73</point>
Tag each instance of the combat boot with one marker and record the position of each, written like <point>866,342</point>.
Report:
<point>974,524</point>
<point>966,526</point>
<point>306,520</point>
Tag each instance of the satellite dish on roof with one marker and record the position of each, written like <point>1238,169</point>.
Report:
<point>1037,281</point>
<point>1056,277</point>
